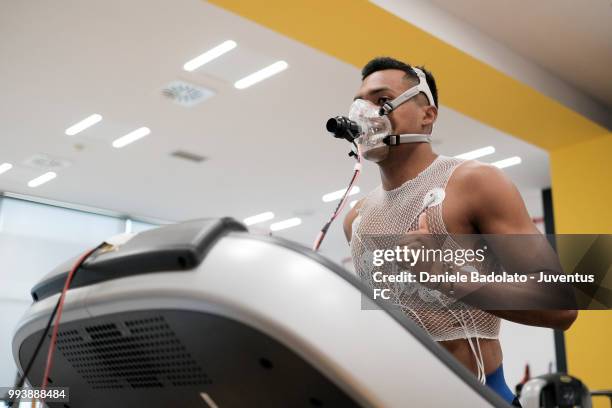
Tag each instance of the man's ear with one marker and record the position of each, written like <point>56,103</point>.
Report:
<point>430,115</point>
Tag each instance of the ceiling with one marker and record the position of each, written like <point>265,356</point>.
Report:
<point>571,39</point>
<point>265,146</point>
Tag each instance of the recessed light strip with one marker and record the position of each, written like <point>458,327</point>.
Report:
<point>84,124</point>
<point>4,167</point>
<point>209,55</point>
<point>336,195</point>
<point>131,137</point>
<point>42,179</point>
<point>510,161</point>
<point>281,225</point>
<point>260,75</point>
<point>474,154</point>
<point>255,219</point>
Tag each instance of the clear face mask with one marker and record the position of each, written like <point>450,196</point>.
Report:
<point>373,130</point>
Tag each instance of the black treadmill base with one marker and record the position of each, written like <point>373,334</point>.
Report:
<point>170,358</point>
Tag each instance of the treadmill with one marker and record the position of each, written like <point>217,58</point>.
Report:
<point>204,314</point>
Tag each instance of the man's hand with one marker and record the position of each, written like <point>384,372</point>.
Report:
<point>422,239</point>
<point>423,228</point>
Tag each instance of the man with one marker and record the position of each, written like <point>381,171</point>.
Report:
<point>477,199</point>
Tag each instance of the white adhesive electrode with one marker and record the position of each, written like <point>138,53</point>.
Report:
<point>434,197</point>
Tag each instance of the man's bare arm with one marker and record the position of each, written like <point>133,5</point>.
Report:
<point>498,208</point>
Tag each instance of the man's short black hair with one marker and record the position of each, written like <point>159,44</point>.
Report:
<point>382,63</point>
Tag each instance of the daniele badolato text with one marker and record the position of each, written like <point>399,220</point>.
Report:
<point>465,275</point>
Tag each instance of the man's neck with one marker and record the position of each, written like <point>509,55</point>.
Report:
<point>404,163</point>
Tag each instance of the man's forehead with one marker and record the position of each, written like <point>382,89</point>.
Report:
<point>385,80</point>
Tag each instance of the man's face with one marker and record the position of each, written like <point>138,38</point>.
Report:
<point>382,86</point>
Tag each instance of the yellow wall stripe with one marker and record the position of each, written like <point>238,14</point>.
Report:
<point>582,188</point>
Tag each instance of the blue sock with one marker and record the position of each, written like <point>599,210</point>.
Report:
<point>497,382</point>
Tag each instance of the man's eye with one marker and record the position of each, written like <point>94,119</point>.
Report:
<point>381,101</point>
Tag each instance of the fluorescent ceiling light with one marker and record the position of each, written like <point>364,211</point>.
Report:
<point>266,216</point>
<point>281,225</point>
<point>4,167</point>
<point>260,75</point>
<point>510,161</point>
<point>131,137</point>
<point>474,154</point>
<point>42,179</point>
<point>336,195</point>
<point>209,55</point>
<point>84,124</point>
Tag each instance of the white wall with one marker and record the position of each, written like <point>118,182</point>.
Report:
<point>34,238</point>
<point>526,345</point>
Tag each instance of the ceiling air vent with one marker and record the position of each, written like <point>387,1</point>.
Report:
<point>182,154</point>
<point>46,162</point>
<point>186,94</point>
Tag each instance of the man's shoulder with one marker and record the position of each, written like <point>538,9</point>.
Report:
<point>477,176</point>
<point>370,196</point>
<point>354,212</point>
<point>480,183</point>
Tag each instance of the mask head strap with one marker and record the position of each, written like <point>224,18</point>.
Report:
<point>422,86</point>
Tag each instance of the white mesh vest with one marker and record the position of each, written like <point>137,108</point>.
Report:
<point>396,212</point>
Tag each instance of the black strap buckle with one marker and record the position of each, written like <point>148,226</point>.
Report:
<point>391,140</point>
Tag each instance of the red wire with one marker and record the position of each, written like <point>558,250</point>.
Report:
<point>346,195</point>
<point>340,207</point>
<point>59,315</point>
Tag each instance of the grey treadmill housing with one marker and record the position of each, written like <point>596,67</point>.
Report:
<point>230,321</point>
